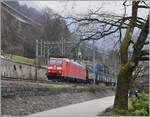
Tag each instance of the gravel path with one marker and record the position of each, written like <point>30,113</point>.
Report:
<point>85,109</point>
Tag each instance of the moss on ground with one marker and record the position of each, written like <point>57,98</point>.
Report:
<point>114,112</point>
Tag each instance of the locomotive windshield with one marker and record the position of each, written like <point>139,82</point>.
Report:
<point>55,62</point>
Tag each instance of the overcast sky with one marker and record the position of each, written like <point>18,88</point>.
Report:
<point>78,7</point>
<point>81,7</point>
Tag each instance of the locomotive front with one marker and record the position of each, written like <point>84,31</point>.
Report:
<point>54,68</point>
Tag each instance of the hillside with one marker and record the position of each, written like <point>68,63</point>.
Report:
<point>19,37</point>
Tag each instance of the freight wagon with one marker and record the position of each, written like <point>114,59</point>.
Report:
<point>102,74</point>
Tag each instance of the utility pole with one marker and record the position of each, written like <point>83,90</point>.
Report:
<point>94,65</point>
<point>36,59</point>
<point>48,49</point>
<point>44,49</point>
<point>41,49</point>
<point>44,54</point>
<point>79,54</point>
<point>62,46</point>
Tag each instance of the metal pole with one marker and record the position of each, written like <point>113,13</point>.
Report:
<point>44,49</point>
<point>62,47</point>
<point>79,52</point>
<point>94,61</point>
<point>37,48</point>
<point>44,52</point>
<point>48,48</point>
<point>41,49</point>
<point>36,59</point>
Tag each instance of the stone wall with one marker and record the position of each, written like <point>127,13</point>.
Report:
<point>21,70</point>
<point>24,98</point>
<point>27,89</point>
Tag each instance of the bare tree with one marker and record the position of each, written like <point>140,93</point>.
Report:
<point>96,25</point>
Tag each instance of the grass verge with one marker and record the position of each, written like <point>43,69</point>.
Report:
<point>21,59</point>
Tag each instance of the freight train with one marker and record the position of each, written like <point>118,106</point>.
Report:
<point>64,69</point>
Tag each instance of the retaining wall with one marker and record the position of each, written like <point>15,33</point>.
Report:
<point>18,70</point>
<point>21,98</point>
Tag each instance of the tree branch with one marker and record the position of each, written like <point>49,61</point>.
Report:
<point>142,38</point>
<point>140,43</point>
<point>144,52</point>
<point>142,6</point>
<point>146,43</point>
<point>144,58</point>
<point>126,41</point>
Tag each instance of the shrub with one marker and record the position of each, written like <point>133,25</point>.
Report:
<point>141,112</point>
<point>140,104</point>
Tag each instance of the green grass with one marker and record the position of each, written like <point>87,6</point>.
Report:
<point>21,59</point>
<point>56,85</point>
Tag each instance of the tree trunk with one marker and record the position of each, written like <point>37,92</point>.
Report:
<point>121,98</point>
<point>123,85</point>
<point>127,65</point>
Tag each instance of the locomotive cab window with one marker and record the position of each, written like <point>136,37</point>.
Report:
<point>55,62</point>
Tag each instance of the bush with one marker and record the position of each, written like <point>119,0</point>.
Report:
<point>140,104</point>
<point>141,112</point>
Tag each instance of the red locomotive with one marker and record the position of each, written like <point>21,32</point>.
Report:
<point>65,69</point>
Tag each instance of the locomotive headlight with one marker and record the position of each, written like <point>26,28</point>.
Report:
<point>50,67</point>
<point>59,68</point>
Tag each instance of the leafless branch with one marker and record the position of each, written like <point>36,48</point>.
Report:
<point>144,52</point>
<point>144,58</point>
<point>142,6</point>
<point>146,43</point>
